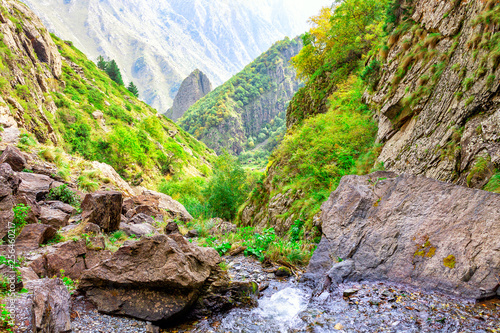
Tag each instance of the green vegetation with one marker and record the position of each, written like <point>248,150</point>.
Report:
<point>494,183</point>
<point>20,214</point>
<point>64,194</point>
<point>241,96</point>
<point>5,318</point>
<point>135,141</point>
<point>133,89</point>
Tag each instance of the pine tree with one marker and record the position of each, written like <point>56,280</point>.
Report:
<point>101,63</point>
<point>114,72</point>
<point>133,89</point>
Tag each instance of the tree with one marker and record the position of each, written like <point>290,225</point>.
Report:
<point>114,72</point>
<point>226,189</point>
<point>133,89</point>
<point>101,63</point>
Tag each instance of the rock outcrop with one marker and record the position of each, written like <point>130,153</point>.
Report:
<point>194,87</point>
<point>154,279</point>
<point>410,229</point>
<point>9,184</point>
<point>440,118</point>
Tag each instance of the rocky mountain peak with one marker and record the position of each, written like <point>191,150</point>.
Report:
<point>194,87</point>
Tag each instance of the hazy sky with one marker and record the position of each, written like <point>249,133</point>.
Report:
<point>307,8</point>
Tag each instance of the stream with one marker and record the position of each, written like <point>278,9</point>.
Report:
<point>373,307</point>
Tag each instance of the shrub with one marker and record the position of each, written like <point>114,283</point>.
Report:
<point>64,194</point>
<point>20,214</point>
<point>225,190</point>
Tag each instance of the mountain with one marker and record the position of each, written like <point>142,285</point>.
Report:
<point>194,87</point>
<point>159,43</point>
<point>55,101</point>
<point>240,113</point>
<point>421,99</point>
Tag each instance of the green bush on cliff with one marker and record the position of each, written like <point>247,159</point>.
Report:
<point>314,156</point>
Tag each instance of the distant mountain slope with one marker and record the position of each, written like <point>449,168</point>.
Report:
<point>237,115</point>
<point>51,92</point>
<point>158,43</point>
<point>194,87</point>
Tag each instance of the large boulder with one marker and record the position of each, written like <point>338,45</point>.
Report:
<point>9,184</point>
<point>34,186</point>
<point>410,229</point>
<point>104,209</point>
<point>72,256</point>
<point>34,235</point>
<point>139,230</point>
<point>50,305</point>
<point>54,217</point>
<point>153,279</point>
<point>155,204</point>
<point>13,156</point>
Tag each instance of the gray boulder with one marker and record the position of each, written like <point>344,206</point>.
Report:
<point>411,229</point>
<point>50,305</point>
<point>139,230</point>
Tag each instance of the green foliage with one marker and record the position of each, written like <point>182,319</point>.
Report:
<point>64,194</point>
<point>259,243</point>
<point>296,231</point>
<point>133,89</point>
<point>494,183</point>
<point>68,282</point>
<point>226,188</point>
<point>114,72</point>
<point>6,318</point>
<point>20,214</point>
<point>223,248</point>
<point>314,157</point>
<point>480,168</point>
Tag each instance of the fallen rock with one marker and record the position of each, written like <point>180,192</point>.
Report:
<point>171,228</point>
<point>349,292</point>
<point>34,186</point>
<point>153,279</point>
<point>91,228</point>
<point>192,233</point>
<point>283,272</point>
<point>221,227</point>
<point>54,217</point>
<point>139,230</point>
<point>13,157</point>
<point>414,230</point>
<point>141,218</point>
<point>68,209</point>
<point>156,204</point>
<point>50,305</point>
<point>34,235</point>
<point>104,209</point>
<point>27,274</point>
<point>72,256</point>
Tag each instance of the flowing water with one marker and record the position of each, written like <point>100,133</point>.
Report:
<point>373,307</point>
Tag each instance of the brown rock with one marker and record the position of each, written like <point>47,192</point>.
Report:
<point>13,156</point>
<point>91,228</point>
<point>141,218</point>
<point>68,209</point>
<point>151,279</point>
<point>34,235</point>
<point>155,204</point>
<point>34,211</point>
<point>414,230</point>
<point>51,305</point>
<point>171,228</point>
<point>34,186</point>
<point>9,183</point>
<point>104,209</point>
<point>27,274</point>
<point>54,217</point>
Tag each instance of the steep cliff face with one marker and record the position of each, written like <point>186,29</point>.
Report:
<point>52,98</point>
<point>432,85</point>
<point>194,87</point>
<point>438,93</point>
<point>31,67</point>
<point>234,114</point>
